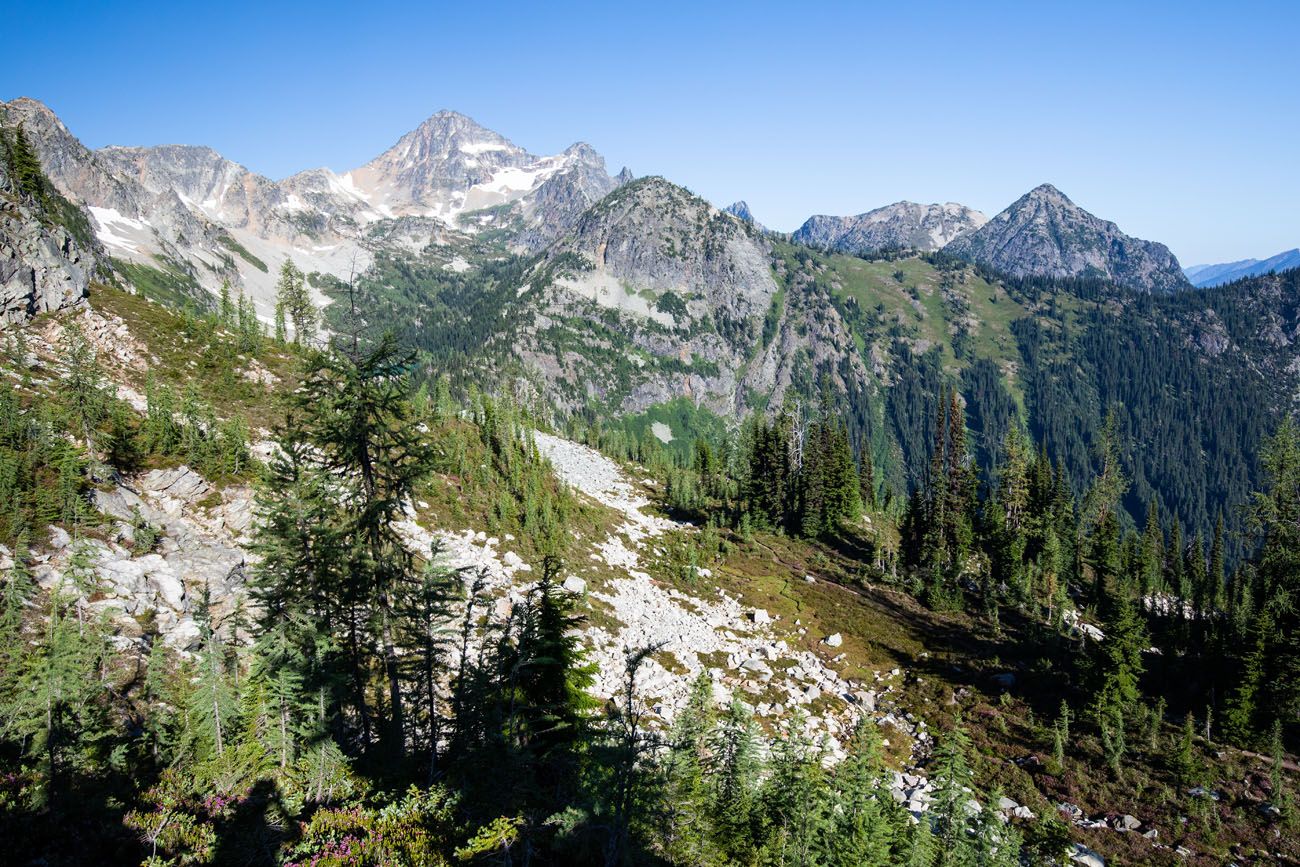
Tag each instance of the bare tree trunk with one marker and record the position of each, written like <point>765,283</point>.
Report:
<point>358,685</point>
<point>398,725</point>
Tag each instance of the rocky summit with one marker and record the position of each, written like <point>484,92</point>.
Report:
<point>900,226</point>
<point>1044,234</point>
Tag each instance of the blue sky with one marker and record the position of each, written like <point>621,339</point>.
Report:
<point>1179,121</point>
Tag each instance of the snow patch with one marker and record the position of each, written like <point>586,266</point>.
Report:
<point>116,230</point>
<point>478,147</point>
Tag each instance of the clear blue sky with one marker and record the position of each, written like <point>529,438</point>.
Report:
<point>1180,121</point>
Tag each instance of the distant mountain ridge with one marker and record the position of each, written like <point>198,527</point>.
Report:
<point>1044,234</point>
<point>902,225</point>
<point>203,219</point>
<point>1205,276</point>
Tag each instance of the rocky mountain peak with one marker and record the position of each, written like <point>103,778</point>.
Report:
<point>581,151</point>
<point>1048,193</point>
<point>902,225</point>
<point>25,110</point>
<point>1045,234</point>
<point>714,257</point>
<point>455,129</point>
<point>452,140</point>
<point>741,210</point>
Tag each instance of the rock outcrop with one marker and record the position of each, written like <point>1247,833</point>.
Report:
<point>201,536</point>
<point>42,266</point>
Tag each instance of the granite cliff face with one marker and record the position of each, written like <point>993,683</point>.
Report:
<point>1044,234</point>
<point>900,226</point>
<point>43,266</point>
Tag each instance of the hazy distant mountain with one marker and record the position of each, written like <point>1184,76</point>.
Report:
<point>1216,275</point>
<point>902,225</point>
<point>1045,234</point>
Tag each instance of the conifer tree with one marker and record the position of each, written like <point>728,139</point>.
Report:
<point>552,706</point>
<point>1119,663</point>
<point>921,845</point>
<point>15,595</point>
<point>247,325</point>
<point>1197,577</point>
<point>954,783</point>
<point>357,421</point>
<point>1217,582</point>
<point>423,611</point>
<point>294,302</point>
<point>212,702</point>
<point>225,306</point>
<point>768,477</point>
<point>83,391</point>
<point>281,324</point>
<point>1241,721</point>
<point>26,167</point>
<point>685,802</point>
<point>795,811</point>
<point>1184,760</point>
<point>1277,779</point>
<point>734,770</point>
<point>1151,553</point>
<point>56,710</point>
<point>868,827</point>
<point>1175,576</point>
<point>867,479</point>
<point>1009,506</point>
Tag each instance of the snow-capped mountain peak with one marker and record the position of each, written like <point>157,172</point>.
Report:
<point>221,222</point>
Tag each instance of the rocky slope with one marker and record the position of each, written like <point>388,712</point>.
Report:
<point>1044,234</point>
<point>43,267</point>
<point>900,226</point>
<point>656,294</point>
<point>133,222</point>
